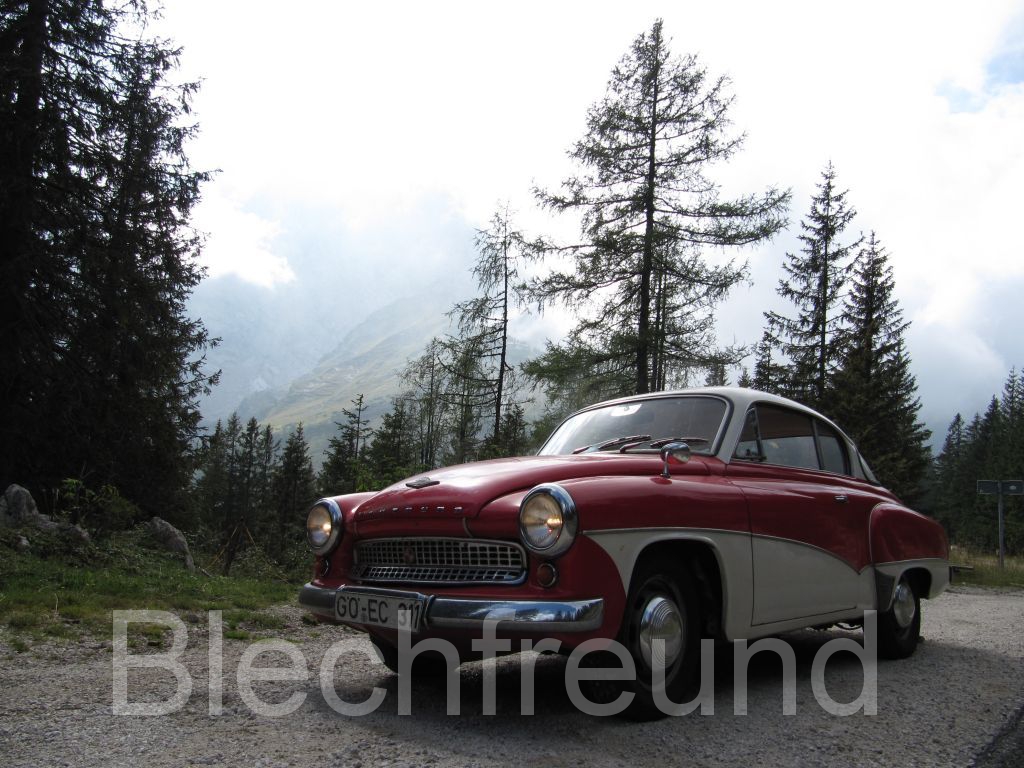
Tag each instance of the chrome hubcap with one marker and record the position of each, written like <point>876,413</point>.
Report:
<point>903,605</point>
<point>661,620</point>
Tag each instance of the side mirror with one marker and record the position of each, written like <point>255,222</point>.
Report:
<point>674,452</point>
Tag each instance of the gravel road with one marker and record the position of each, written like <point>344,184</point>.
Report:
<point>956,702</point>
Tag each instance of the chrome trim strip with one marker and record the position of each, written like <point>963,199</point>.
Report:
<point>570,520</point>
<point>470,613</point>
<point>440,561</point>
<point>337,526</point>
<point>317,600</point>
<point>521,615</point>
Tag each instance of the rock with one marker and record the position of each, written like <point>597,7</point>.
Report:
<point>18,509</point>
<point>21,544</point>
<point>173,539</point>
<point>74,532</point>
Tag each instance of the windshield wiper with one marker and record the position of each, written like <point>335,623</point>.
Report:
<point>615,441</point>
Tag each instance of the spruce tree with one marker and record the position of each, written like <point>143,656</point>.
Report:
<point>648,208</point>
<point>102,365</point>
<point>874,394</point>
<point>814,283</point>
<point>950,485</point>
<point>294,489</point>
<point>393,451</point>
<point>345,468</point>
<point>769,376</point>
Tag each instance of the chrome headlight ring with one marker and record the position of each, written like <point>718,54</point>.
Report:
<point>548,520</point>
<point>324,526</point>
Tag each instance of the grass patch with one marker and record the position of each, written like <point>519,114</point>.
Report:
<point>21,620</point>
<point>62,592</point>
<point>253,619</point>
<point>986,571</point>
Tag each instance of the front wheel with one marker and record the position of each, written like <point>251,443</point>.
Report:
<point>899,628</point>
<point>661,627</point>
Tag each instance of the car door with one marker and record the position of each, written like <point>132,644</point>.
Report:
<point>808,519</point>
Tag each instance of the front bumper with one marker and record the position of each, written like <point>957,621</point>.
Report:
<point>470,613</point>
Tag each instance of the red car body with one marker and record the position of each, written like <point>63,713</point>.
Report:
<point>769,541</point>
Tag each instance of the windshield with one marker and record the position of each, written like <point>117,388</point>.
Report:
<point>636,425</point>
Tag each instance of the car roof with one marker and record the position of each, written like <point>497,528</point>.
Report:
<point>740,397</point>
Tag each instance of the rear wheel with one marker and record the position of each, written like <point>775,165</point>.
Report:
<point>899,628</point>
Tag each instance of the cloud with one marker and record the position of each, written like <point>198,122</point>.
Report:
<point>240,242</point>
<point>368,115</point>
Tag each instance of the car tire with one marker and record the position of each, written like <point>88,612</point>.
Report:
<point>426,664</point>
<point>899,627</point>
<point>662,603</point>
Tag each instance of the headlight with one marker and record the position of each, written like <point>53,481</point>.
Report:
<point>547,520</point>
<point>323,526</point>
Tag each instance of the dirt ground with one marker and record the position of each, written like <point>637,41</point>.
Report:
<point>956,702</point>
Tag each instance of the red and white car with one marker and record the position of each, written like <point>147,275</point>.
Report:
<point>720,512</point>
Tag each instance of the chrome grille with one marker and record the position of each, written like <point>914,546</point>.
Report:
<point>440,561</point>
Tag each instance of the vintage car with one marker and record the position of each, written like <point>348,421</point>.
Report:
<point>722,512</point>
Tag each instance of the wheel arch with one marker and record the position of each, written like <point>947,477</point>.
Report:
<point>921,575</point>
<point>701,561</point>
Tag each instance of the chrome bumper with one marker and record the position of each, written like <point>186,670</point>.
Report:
<point>470,613</point>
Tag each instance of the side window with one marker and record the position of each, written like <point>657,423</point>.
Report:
<point>787,437</point>
<point>747,447</point>
<point>833,450</point>
<point>777,435</point>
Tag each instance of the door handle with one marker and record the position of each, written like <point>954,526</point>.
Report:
<point>841,498</point>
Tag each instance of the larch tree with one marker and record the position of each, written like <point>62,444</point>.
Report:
<point>649,210</point>
<point>483,321</point>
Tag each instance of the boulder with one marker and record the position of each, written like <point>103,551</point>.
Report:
<point>171,538</point>
<point>18,509</point>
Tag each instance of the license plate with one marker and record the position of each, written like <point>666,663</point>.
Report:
<point>393,611</point>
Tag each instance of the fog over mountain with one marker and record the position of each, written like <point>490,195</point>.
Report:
<point>347,324</point>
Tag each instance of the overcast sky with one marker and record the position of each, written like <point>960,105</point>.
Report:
<point>382,117</point>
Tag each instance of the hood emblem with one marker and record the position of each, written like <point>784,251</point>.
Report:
<point>409,555</point>
<point>422,482</point>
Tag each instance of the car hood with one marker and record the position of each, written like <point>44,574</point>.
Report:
<point>463,490</point>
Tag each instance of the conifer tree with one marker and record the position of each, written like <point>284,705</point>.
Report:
<point>294,489</point>
<point>393,451</point>
<point>648,207</point>
<point>874,394</point>
<point>814,283</point>
<point>768,375</point>
<point>345,469</point>
<point>483,322</point>
<point>425,376</point>
<point>102,365</point>
<point>986,448</point>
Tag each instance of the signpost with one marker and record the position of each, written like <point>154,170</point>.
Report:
<point>1001,488</point>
